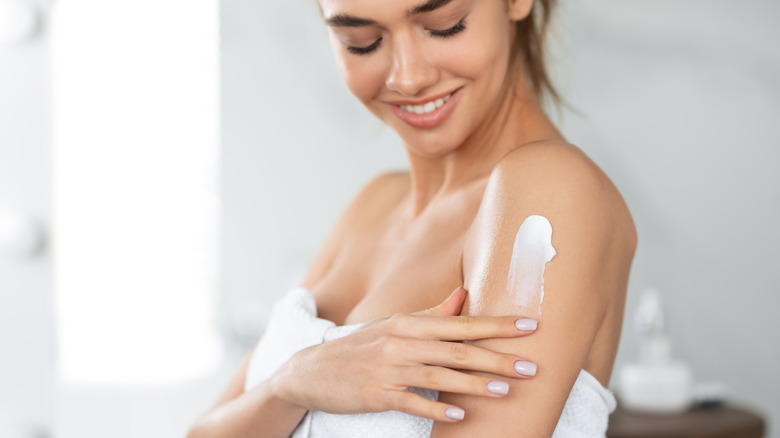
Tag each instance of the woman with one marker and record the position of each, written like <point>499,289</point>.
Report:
<point>496,203</point>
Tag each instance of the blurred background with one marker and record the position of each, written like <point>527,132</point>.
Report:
<point>169,167</point>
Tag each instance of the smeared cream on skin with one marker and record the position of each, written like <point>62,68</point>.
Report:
<point>532,250</point>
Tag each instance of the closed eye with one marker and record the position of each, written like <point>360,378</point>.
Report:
<point>447,33</point>
<point>364,50</point>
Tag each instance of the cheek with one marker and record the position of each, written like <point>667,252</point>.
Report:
<point>487,54</point>
<point>362,74</point>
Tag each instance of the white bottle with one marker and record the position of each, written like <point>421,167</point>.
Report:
<point>657,383</point>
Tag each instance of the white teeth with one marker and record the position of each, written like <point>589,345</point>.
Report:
<point>428,107</point>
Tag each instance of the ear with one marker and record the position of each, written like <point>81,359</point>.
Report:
<point>519,9</point>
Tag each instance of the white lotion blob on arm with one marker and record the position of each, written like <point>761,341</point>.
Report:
<point>532,250</point>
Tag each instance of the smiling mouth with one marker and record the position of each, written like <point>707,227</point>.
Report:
<point>428,107</point>
<point>426,114</point>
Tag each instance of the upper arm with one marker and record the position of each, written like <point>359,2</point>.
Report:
<point>593,244</point>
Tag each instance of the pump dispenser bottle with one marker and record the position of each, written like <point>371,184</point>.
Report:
<point>657,383</point>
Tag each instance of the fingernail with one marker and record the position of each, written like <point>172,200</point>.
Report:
<point>525,368</point>
<point>525,324</point>
<point>498,387</point>
<point>455,413</point>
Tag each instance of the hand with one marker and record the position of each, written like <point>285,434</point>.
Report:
<point>371,369</point>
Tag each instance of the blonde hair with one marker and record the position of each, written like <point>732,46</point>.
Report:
<point>530,43</point>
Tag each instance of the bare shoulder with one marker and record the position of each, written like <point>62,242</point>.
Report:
<point>549,166</point>
<point>559,178</point>
<point>592,226</point>
<point>372,202</point>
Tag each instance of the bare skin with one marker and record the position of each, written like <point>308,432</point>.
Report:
<point>370,371</point>
<point>409,239</point>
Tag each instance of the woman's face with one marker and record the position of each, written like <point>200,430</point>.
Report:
<point>433,70</point>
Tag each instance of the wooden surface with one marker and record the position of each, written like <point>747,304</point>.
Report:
<point>717,422</point>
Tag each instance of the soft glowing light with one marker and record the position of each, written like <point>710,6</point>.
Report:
<point>18,20</point>
<point>136,135</point>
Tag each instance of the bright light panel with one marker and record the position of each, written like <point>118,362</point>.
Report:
<point>136,150</point>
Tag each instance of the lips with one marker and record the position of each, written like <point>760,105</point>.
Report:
<point>427,114</point>
<point>428,108</point>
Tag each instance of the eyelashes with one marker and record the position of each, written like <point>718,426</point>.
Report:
<point>447,33</point>
<point>364,50</point>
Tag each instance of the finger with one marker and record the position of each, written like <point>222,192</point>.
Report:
<point>468,357</point>
<point>459,382</point>
<point>449,307</point>
<point>411,403</point>
<point>460,328</point>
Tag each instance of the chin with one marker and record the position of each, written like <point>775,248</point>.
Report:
<point>435,142</point>
<point>431,148</point>
<point>432,143</point>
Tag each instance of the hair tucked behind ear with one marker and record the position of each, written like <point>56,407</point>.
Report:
<point>530,41</point>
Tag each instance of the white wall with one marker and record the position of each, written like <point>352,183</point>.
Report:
<point>681,99</point>
<point>678,101</point>
<point>26,321</point>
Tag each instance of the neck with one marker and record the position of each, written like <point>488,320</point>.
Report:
<point>517,120</point>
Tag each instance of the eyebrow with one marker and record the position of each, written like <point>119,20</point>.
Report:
<point>344,20</point>
<point>428,6</point>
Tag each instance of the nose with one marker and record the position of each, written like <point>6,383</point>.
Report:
<point>411,71</point>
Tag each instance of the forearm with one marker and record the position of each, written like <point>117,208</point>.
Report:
<point>259,412</point>
<point>532,407</point>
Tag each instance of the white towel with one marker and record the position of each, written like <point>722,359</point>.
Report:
<point>294,326</point>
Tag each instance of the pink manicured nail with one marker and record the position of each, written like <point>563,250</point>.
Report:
<point>455,413</point>
<point>525,324</point>
<point>498,387</point>
<point>525,368</point>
